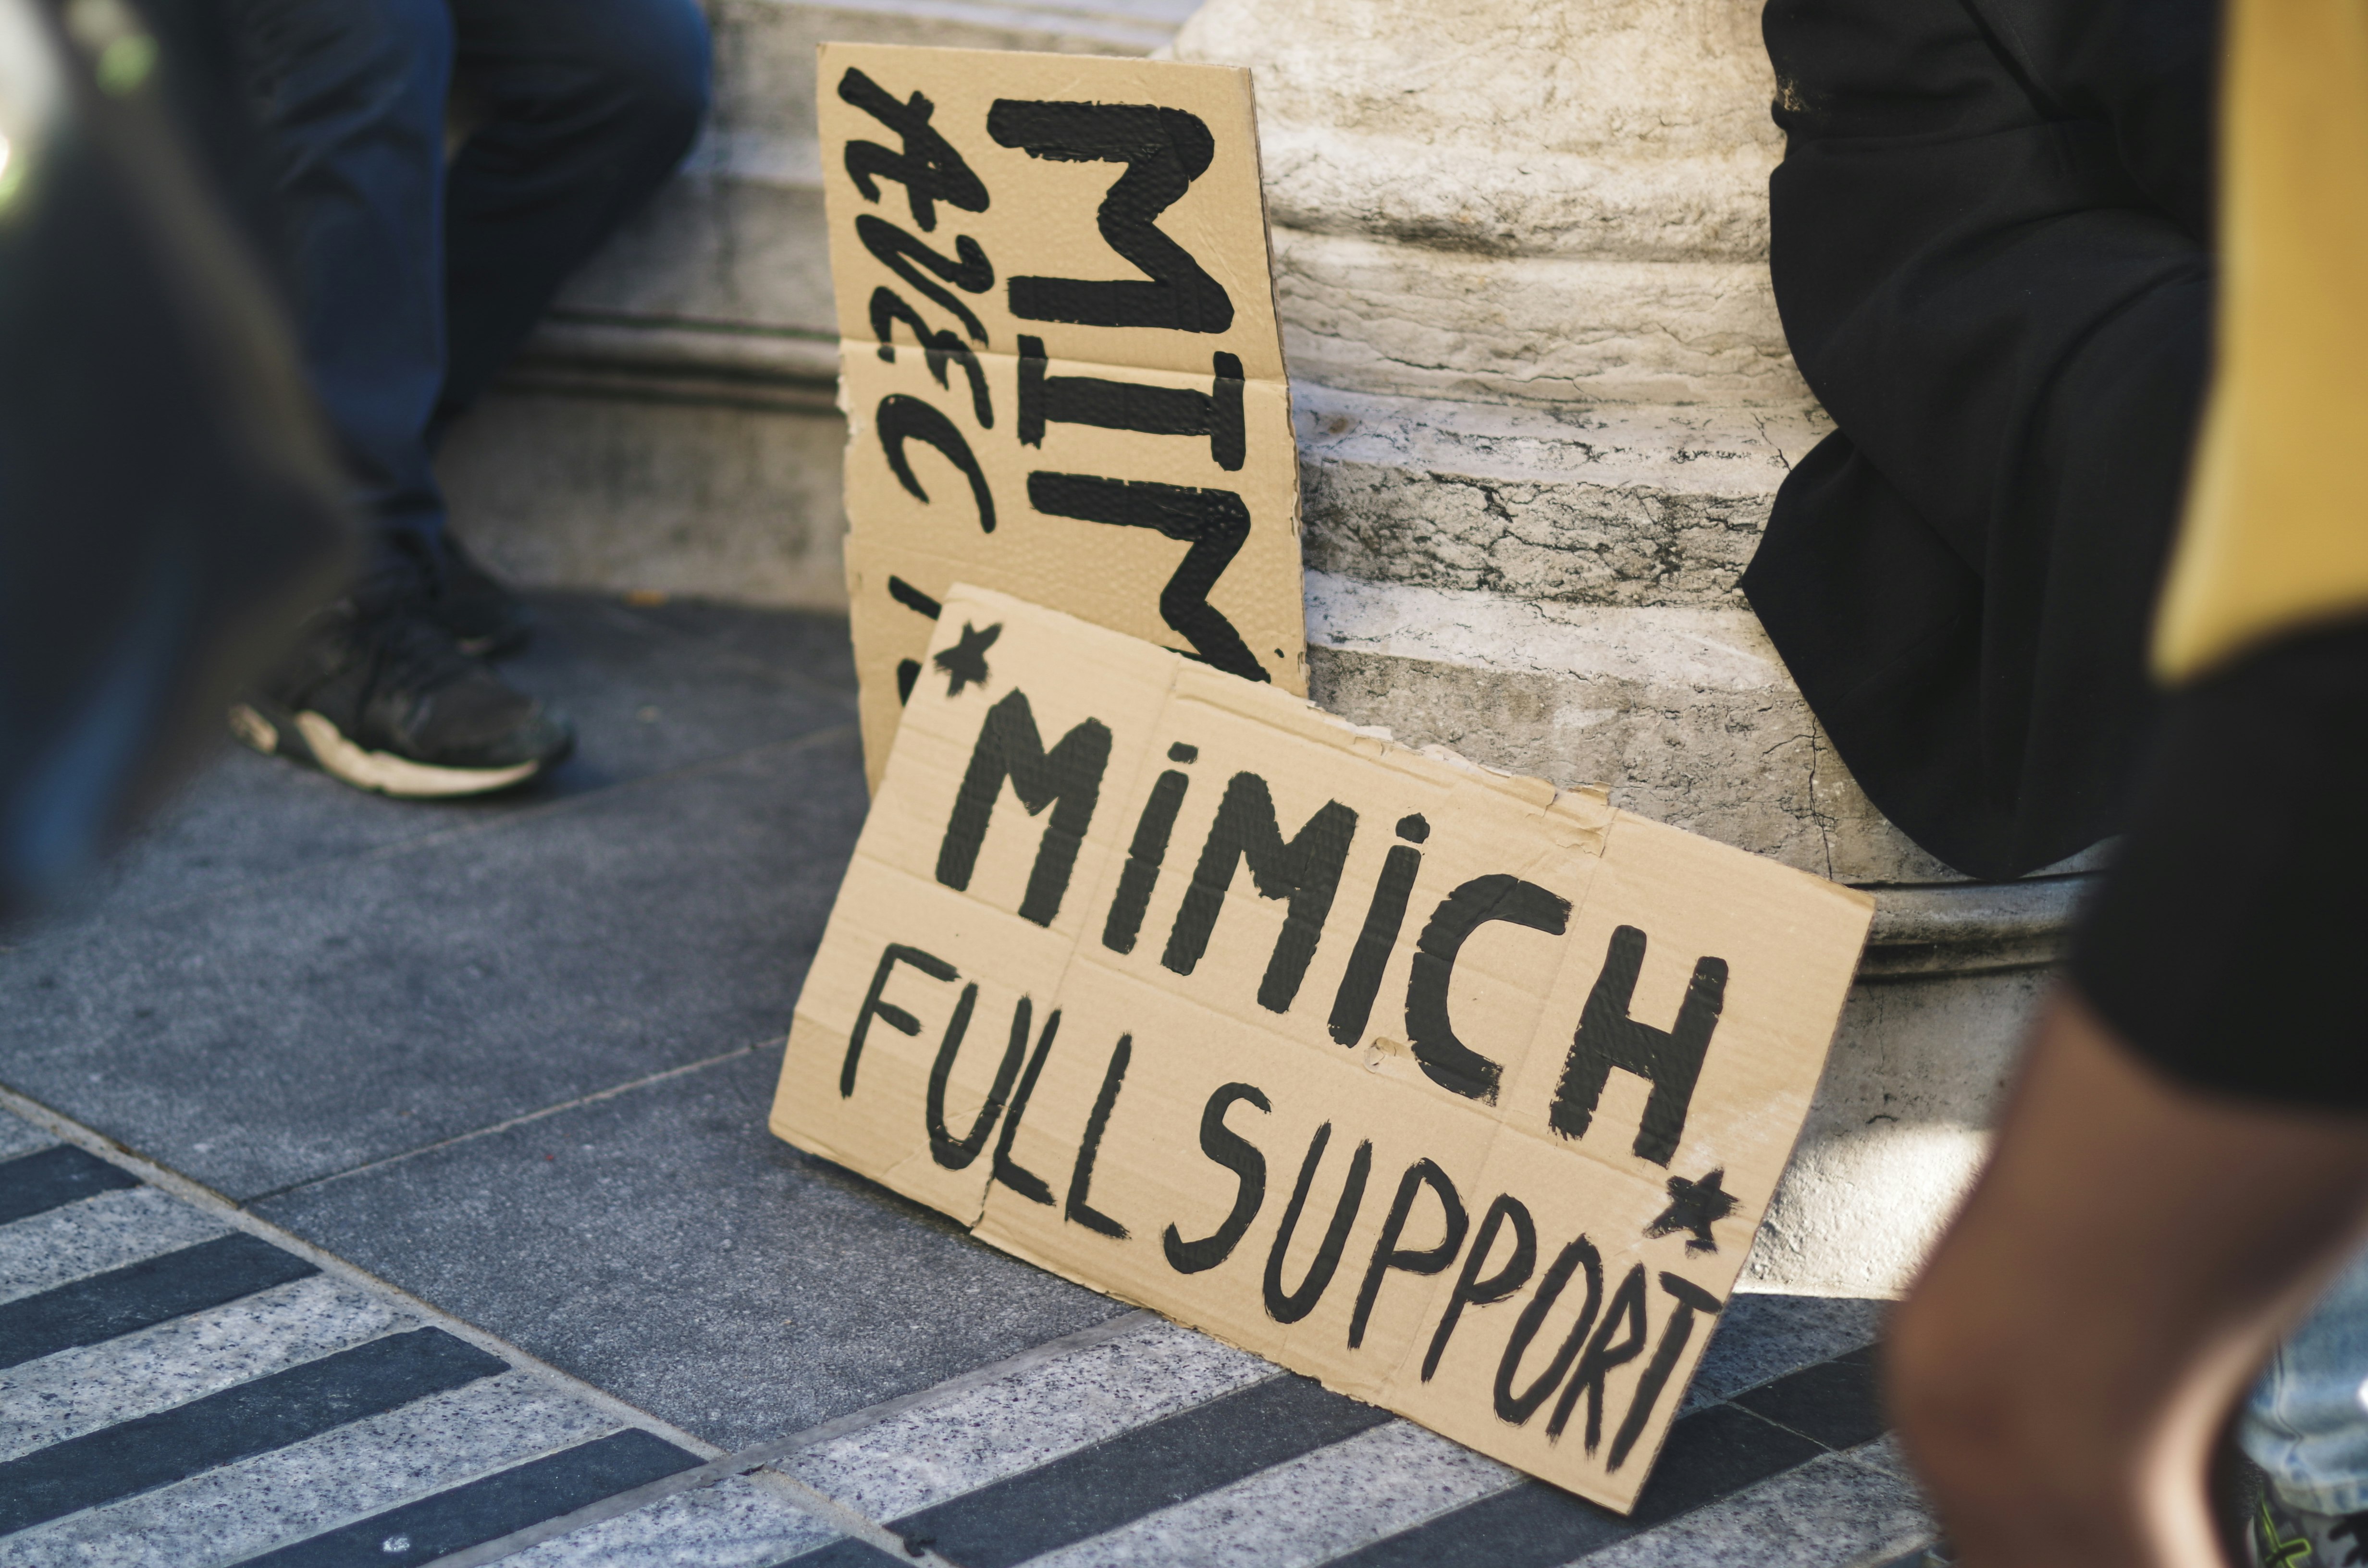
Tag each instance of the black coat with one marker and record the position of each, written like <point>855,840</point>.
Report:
<point>1990,234</point>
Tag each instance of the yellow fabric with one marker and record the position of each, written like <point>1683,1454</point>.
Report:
<point>2276,533</point>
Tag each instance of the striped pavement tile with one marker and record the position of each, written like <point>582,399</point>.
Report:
<point>19,1136</point>
<point>1317,1508</point>
<point>176,1390</point>
<point>1263,1467</point>
<point>736,1523</point>
<point>66,1396</point>
<point>158,1290</point>
<point>351,1472</point>
<point>93,1236</point>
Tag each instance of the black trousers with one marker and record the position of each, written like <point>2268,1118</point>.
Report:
<point>414,281</point>
<point>1989,244</point>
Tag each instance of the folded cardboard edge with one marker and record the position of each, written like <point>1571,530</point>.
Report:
<point>1587,805</point>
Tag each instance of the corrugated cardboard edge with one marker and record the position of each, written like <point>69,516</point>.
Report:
<point>874,771</point>
<point>1282,351</point>
<point>1271,705</point>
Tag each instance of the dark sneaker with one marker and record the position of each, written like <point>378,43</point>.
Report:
<point>390,703</point>
<point>485,619</point>
<point>2286,1537</point>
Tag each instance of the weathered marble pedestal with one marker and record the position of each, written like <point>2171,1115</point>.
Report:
<point>1544,401</point>
<point>1545,404</point>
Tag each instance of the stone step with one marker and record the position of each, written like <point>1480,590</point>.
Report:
<point>737,239</point>
<point>1602,504</point>
<point>1548,586</point>
<point>673,426</point>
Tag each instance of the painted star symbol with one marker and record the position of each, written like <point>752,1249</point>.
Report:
<point>1695,1206</point>
<point>965,662</point>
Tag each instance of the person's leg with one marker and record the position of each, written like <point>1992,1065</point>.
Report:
<point>2065,1364</point>
<point>589,105</point>
<point>2305,1424</point>
<point>349,95</point>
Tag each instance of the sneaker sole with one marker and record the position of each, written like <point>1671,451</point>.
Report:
<point>319,742</point>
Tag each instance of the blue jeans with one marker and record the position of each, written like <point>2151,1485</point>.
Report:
<point>414,282</point>
<point>2305,1423</point>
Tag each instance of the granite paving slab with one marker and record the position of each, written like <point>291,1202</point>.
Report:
<point>1314,1508</point>
<point>380,1003</point>
<point>238,1510</point>
<point>107,1232</point>
<point>512,1056</point>
<point>733,1524</point>
<point>650,689</point>
<point>1832,1511</point>
<point>320,1420</point>
<point>86,1388</point>
<point>661,1244</point>
<point>901,1464</point>
<point>1761,1337</point>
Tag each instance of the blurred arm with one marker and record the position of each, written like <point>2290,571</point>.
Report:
<point>2062,1369</point>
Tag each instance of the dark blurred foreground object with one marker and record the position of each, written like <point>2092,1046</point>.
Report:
<point>1989,244</point>
<point>2183,1166</point>
<point>169,509</point>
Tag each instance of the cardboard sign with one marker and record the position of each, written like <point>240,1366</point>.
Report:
<point>1459,1093</point>
<point>1058,354</point>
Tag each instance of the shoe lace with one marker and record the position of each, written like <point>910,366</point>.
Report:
<point>2273,1546</point>
<point>2351,1530</point>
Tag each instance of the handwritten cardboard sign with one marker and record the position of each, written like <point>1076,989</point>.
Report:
<point>1459,1093</point>
<point>1058,354</point>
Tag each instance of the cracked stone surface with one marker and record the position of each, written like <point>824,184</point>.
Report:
<point>1749,768</point>
<point>1534,205</point>
<point>1629,129</point>
<point>1372,316</point>
<point>1609,505</point>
